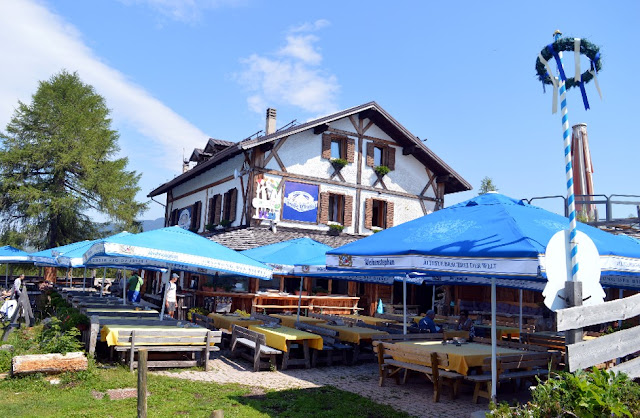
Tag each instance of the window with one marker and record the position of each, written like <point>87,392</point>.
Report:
<point>336,208</point>
<point>337,148</point>
<point>229,205</point>
<point>381,154</point>
<point>215,209</point>
<point>379,214</point>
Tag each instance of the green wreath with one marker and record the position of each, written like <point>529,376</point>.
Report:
<point>567,44</point>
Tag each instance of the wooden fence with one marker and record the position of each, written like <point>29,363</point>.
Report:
<point>607,347</point>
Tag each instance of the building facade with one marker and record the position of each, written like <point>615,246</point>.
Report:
<point>357,169</point>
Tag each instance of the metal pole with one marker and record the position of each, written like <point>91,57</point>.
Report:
<point>104,277</point>
<point>494,362</point>
<point>404,305</point>
<point>299,300</point>
<point>84,279</point>
<point>433,298</point>
<point>124,287</point>
<point>520,322</point>
<point>6,277</point>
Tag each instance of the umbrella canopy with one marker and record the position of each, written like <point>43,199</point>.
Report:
<point>73,257</point>
<point>9,254</point>
<point>172,248</point>
<point>282,256</point>
<point>491,235</point>
<point>49,257</point>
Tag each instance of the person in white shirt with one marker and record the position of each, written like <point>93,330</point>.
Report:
<point>17,286</point>
<point>172,299</point>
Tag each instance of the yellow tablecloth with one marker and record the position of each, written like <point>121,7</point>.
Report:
<point>460,358</point>
<point>290,320</point>
<point>500,331</point>
<point>353,334</point>
<point>226,321</point>
<point>109,333</point>
<point>399,317</point>
<point>96,311</point>
<point>278,337</point>
<point>371,320</point>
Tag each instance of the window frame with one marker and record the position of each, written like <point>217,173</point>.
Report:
<point>342,147</point>
<point>340,209</point>
<point>379,221</point>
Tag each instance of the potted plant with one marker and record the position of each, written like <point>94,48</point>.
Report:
<point>211,227</point>
<point>335,229</point>
<point>339,163</point>
<point>382,170</point>
<point>320,291</point>
<point>225,223</point>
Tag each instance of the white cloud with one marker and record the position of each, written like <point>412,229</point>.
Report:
<point>186,11</point>
<point>37,44</point>
<point>292,75</point>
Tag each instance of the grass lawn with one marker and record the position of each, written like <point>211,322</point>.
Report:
<point>74,397</point>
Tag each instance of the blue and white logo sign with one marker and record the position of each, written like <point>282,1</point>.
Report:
<point>184,218</point>
<point>300,202</point>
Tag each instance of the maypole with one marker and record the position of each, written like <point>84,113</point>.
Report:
<point>573,291</point>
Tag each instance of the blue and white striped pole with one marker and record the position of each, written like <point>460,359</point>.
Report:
<point>566,135</point>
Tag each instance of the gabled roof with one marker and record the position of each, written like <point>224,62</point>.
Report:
<point>372,111</point>
<point>215,145</point>
<point>198,155</point>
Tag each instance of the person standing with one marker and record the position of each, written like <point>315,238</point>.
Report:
<point>172,298</point>
<point>17,287</point>
<point>134,286</point>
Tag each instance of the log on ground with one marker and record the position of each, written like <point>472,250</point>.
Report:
<point>48,363</point>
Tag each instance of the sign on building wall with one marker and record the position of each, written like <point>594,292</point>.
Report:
<point>267,201</point>
<point>300,202</point>
<point>184,217</point>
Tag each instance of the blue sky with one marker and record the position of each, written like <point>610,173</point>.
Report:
<point>460,74</point>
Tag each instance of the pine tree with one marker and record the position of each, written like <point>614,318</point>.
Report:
<point>487,186</point>
<point>58,166</point>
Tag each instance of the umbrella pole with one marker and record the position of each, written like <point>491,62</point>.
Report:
<point>104,277</point>
<point>494,371</point>
<point>520,322</point>
<point>433,298</point>
<point>124,287</point>
<point>68,276</point>
<point>164,298</point>
<point>6,277</point>
<point>299,300</point>
<point>404,305</point>
<point>84,279</point>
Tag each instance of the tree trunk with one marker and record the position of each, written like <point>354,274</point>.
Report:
<point>48,363</point>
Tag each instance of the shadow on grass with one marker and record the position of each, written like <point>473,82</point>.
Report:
<point>326,401</point>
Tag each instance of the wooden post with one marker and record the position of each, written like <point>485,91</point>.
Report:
<point>573,292</point>
<point>93,333</point>
<point>142,383</point>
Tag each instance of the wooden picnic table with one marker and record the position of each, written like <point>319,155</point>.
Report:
<point>282,337</point>
<point>290,320</point>
<point>371,320</point>
<point>410,318</point>
<point>461,358</point>
<point>120,312</point>
<point>227,321</point>
<point>501,331</point>
<point>109,333</point>
<point>353,334</point>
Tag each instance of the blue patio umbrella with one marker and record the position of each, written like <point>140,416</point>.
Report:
<point>49,257</point>
<point>490,235</point>
<point>172,248</point>
<point>10,255</point>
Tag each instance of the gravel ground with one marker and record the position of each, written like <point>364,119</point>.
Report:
<point>415,397</point>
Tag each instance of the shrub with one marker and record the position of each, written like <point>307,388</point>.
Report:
<point>339,163</point>
<point>225,223</point>
<point>198,310</point>
<point>584,394</point>
<point>382,170</point>
<point>54,339</point>
<point>210,227</point>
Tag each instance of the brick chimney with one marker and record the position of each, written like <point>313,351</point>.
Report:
<point>271,121</point>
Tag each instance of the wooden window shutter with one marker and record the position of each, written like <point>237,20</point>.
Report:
<point>210,211</point>
<point>195,215</point>
<point>370,147</point>
<point>391,158</point>
<point>174,217</point>
<point>389,219</point>
<point>233,201</point>
<point>217,209</point>
<point>326,146</point>
<point>351,149</point>
<point>368,213</point>
<point>348,210</point>
<point>324,208</point>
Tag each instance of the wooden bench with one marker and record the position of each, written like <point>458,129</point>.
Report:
<point>252,346</point>
<point>389,367</point>
<point>334,349</point>
<point>552,342</point>
<point>266,318</point>
<point>408,337</point>
<point>336,318</point>
<point>511,344</point>
<point>513,366</point>
<point>193,341</point>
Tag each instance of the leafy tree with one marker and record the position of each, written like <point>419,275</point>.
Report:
<point>57,166</point>
<point>487,186</point>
